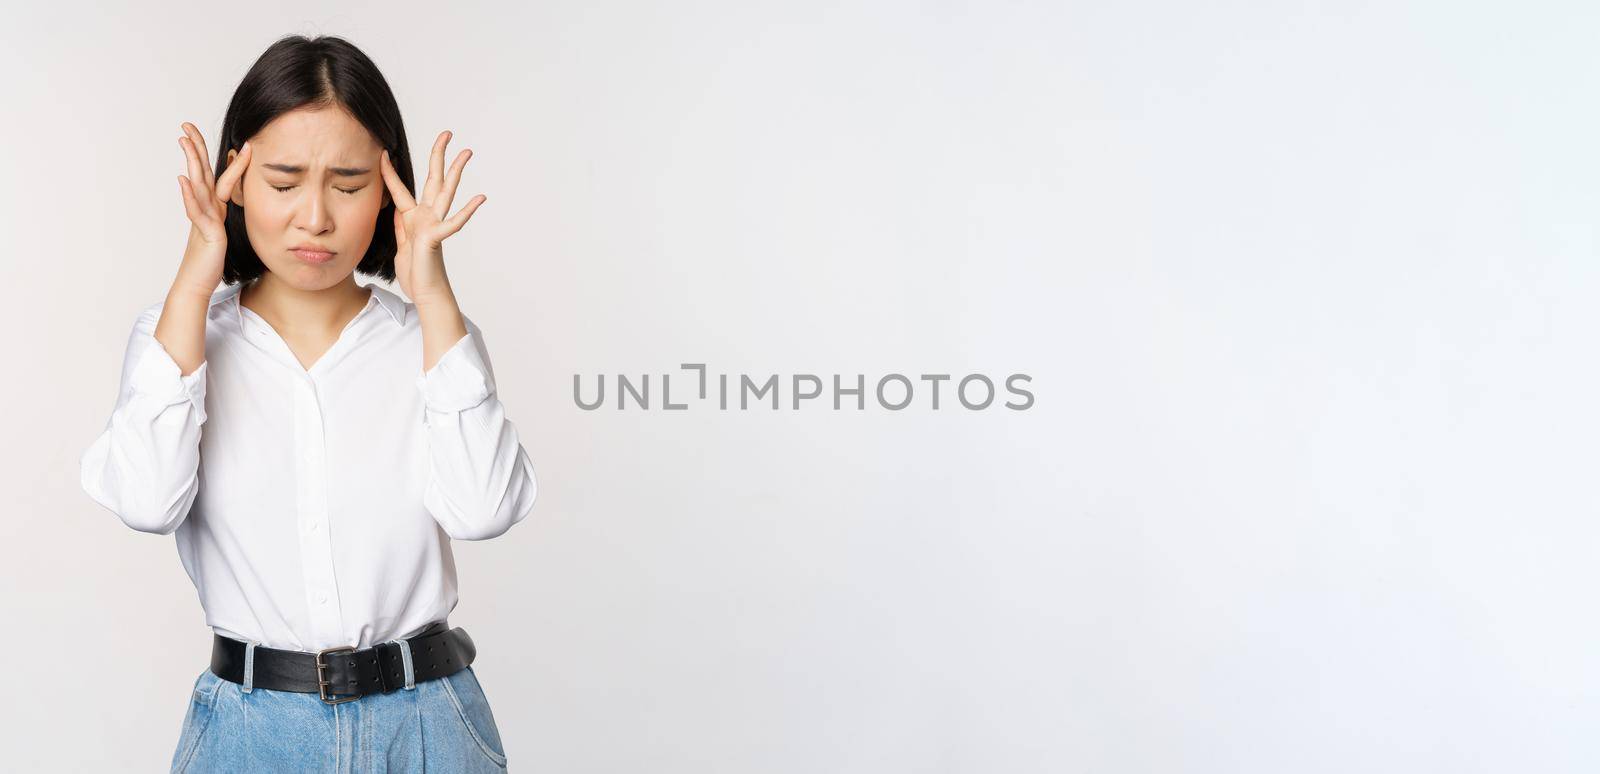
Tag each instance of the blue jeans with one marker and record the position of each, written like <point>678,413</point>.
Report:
<point>443,724</point>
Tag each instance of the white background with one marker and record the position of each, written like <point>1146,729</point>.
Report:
<point>1307,291</point>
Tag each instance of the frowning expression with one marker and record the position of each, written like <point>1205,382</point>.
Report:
<point>311,195</point>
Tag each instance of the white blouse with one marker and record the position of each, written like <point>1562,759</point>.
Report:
<point>313,508</point>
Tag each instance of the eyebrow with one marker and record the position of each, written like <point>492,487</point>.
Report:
<point>295,169</point>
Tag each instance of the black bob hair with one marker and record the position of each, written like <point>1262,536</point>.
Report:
<point>299,72</point>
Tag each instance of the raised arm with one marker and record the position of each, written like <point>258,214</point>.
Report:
<point>480,481</point>
<point>144,466</point>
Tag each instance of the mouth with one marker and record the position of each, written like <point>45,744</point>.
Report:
<point>312,255</point>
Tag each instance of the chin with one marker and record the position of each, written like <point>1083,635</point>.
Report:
<point>304,276</point>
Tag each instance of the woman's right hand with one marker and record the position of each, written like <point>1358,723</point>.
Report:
<point>205,200</point>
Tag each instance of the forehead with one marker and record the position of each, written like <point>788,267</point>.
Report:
<point>327,134</point>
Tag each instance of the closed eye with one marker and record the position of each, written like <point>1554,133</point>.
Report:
<point>351,191</point>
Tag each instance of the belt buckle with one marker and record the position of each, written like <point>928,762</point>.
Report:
<point>322,680</point>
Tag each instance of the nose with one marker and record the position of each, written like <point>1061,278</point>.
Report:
<point>312,216</point>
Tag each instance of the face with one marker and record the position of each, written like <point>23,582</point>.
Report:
<point>313,184</point>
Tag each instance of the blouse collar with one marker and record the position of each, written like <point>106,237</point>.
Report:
<point>391,303</point>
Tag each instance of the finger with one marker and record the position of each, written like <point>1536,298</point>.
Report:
<point>197,167</point>
<point>441,203</point>
<point>430,189</point>
<point>191,206</point>
<point>205,155</point>
<point>399,231</point>
<point>397,187</point>
<point>460,219</point>
<point>235,171</point>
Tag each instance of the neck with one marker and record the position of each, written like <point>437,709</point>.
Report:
<point>294,310</point>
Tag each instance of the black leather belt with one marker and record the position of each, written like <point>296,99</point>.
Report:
<point>346,674</point>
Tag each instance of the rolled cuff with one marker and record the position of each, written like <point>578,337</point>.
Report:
<point>158,376</point>
<point>460,380</point>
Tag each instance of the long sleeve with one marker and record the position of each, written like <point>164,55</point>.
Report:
<point>144,466</point>
<point>480,480</point>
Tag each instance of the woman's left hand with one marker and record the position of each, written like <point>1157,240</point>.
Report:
<point>420,225</point>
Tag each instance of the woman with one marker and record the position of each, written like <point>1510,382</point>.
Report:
<point>348,435</point>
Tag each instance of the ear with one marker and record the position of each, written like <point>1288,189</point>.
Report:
<point>237,195</point>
